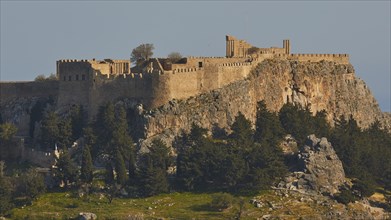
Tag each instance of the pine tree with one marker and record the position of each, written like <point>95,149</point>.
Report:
<point>153,179</point>
<point>109,175</point>
<point>120,168</point>
<point>49,130</point>
<point>77,121</point>
<point>6,189</point>
<point>242,133</point>
<point>86,172</point>
<point>66,170</point>
<point>267,125</point>
<point>65,133</point>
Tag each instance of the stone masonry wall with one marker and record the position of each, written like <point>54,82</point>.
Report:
<point>12,90</point>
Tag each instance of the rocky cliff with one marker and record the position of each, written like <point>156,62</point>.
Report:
<point>318,85</point>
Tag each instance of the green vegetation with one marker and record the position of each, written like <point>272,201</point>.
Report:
<point>174,57</point>
<point>245,162</point>
<point>42,77</point>
<point>142,53</point>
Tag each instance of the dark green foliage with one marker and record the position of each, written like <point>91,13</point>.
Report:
<point>364,187</point>
<point>90,139</point>
<point>221,201</point>
<point>205,164</point>
<point>64,138</point>
<point>267,126</point>
<point>66,171</point>
<point>345,196</point>
<point>6,189</point>
<point>35,116</point>
<point>7,141</point>
<point>86,171</point>
<point>159,154</point>
<point>153,174</point>
<point>109,174</point>
<point>7,132</point>
<point>49,130</point>
<point>296,121</point>
<point>120,168</point>
<point>365,154</point>
<point>153,180</point>
<point>300,123</point>
<point>30,184</point>
<point>77,121</point>
<point>266,165</point>
<point>242,134</point>
<point>132,167</point>
<point>197,160</point>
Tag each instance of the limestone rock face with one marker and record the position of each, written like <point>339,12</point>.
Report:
<point>322,170</point>
<point>318,85</point>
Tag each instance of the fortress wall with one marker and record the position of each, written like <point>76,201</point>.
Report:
<point>185,83</point>
<point>12,90</point>
<point>73,92</point>
<point>232,72</point>
<point>338,58</point>
<point>150,89</point>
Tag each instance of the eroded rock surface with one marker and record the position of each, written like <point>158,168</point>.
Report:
<point>319,168</point>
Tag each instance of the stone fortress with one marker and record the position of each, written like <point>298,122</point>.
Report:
<point>92,83</point>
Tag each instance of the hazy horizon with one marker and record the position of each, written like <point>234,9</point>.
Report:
<point>35,34</point>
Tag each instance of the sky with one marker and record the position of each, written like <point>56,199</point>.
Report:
<point>34,34</point>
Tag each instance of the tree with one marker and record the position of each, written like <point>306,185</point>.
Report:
<point>77,121</point>
<point>86,172</point>
<point>40,77</point>
<point>142,53</point>
<point>120,168</point>
<point>267,126</point>
<point>154,179</point>
<point>49,130</point>
<point>6,189</point>
<point>253,50</point>
<point>7,132</point>
<point>174,57</point>
<point>65,133</point>
<point>297,121</point>
<point>242,134</point>
<point>31,184</point>
<point>66,171</point>
<point>52,76</point>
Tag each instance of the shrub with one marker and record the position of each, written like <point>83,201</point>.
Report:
<point>221,201</point>
<point>345,196</point>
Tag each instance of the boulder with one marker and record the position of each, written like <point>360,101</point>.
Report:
<point>87,216</point>
<point>319,168</point>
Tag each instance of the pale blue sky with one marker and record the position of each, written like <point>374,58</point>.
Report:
<point>34,34</point>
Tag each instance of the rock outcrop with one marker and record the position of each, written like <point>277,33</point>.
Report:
<point>317,85</point>
<point>319,168</point>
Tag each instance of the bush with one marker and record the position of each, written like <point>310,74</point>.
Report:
<point>345,196</point>
<point>364,187</point>
<point>221,201</point>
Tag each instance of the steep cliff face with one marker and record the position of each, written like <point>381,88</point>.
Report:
<point>317,85</point>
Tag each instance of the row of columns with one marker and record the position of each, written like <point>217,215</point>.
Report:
<point>120,68</point>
